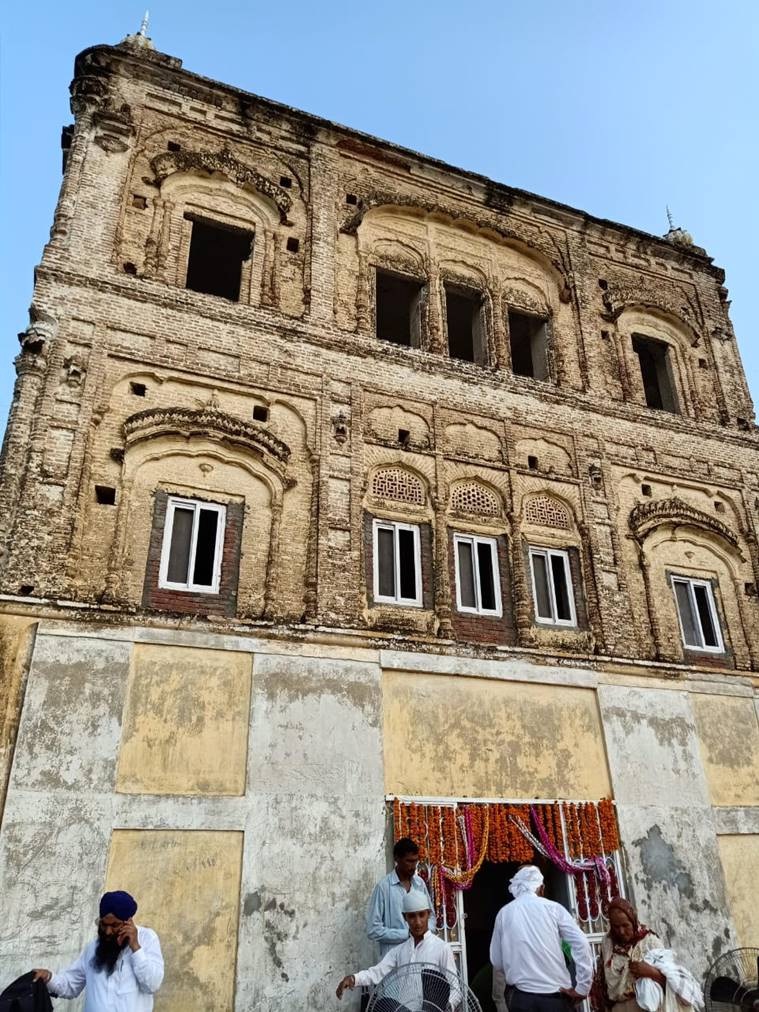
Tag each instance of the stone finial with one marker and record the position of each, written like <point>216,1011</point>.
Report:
<point>676,235</point>
<point>140,39</point>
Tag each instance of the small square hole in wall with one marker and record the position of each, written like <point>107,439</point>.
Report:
<point>293,245</point>
<point>139,201</point>
<point>285,181</point>
<point>260,413</point>
<point>749,589</point>
<point>719,506</point>
<point>26,589</point>
<point>351,198</point>
<point>173,146</point>
<point>403,436</point>
<point>703,364</point>
<point>646,490</point>
<point>532,463</point>
<point>138,389</point>
<point>130,268</point>
<point>105,495</point>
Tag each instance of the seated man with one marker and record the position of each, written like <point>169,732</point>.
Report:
<point>420,947</point>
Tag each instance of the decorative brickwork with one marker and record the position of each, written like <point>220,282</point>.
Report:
<point>543,511</point>
<point>399,485</point>
<point>473,497</point>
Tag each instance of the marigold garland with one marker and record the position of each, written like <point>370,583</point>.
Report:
<point>607,816</point>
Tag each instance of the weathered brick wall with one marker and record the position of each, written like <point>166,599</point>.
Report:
<point>328,207</point>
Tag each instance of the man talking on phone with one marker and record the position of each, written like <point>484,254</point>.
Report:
<point>120,970</point>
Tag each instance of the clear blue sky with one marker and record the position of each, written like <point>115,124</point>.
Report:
<point>615,108</point>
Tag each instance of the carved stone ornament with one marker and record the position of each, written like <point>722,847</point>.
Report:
<point>38,335</point>
<point>114,126</point>
<point>74,370</point>
<point>646,516</point>
<point>206,422</point>
<point>224,162</point>
<point>340,426</point>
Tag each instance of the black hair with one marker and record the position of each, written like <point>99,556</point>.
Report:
<point>404,846</point>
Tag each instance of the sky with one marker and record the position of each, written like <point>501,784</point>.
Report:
<point>619,109</point>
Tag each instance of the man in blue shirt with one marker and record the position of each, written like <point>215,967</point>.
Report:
<point>385,922</point>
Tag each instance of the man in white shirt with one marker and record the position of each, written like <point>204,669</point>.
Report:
<point>526,948</point>
<point>120,970</point>
<point>421,947</point>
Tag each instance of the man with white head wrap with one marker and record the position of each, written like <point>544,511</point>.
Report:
<point>420,947</point>
<point>526,948</point>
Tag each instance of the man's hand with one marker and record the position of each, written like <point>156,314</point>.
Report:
<point>43,975</point>
<point>128,933</point>
<point>574,996</point>
<point>346,984</point>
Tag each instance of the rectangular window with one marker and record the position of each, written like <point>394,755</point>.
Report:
<point>699,624</point>
<point>552,587</point>
<point>656,372</point>
<point>399,309</point>
<point>477,583</point>
<point>466,332</point>
<point>528,338</point>
<point>193,539</point>
<point>397,563</point>
<point>217,253</point>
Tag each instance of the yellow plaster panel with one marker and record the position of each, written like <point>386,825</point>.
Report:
<point>16,639</point>
<point>468,737</point>
<point>187,886</point>
<point>729,737</point>
<point>185,722</point>
<point>740,861</point>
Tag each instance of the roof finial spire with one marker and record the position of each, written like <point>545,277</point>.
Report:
<point>669,217</point>
<point>144,25</point>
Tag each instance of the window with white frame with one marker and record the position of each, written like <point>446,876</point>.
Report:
<point>193,539</point>
<point>397,563</point>
<point>697,612</point>
<point>552,587</point>
<point>477,584</point>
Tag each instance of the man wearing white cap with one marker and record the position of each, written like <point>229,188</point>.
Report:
<point>526,948</point>
<point>420,947</point>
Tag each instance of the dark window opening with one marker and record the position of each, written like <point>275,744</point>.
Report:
<point>285,181</point>
<point>646,490</point>
<point>386,562</point>
<point>351,198</point>
<point>217,253</point>
<point>528,337</point>
<point>293,245</point>
<point>260,413</point>
<point>703,364</point>
<point>105,495</point>
<point>532,463</point>
<point>205,549</point>
<point>465,330</point>
<point>719,506</point>
<point>399,309</point>
<point>403,436</point>
<point>130,268</point>
<point>173,146</point>
<point>407,564</point>
<point>656,373</point>
<point>26,589</point>
<point>138,389</point>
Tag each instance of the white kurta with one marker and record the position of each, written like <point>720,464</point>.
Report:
<point>432,951</point>
<point>130,988</point>
<point>526,946</point>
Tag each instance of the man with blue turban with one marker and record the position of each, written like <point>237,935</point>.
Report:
<point>120,970</point>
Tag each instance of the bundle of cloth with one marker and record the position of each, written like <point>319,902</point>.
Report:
<point>682,986</point>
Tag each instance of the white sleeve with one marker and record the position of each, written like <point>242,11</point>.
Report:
<point>70,983</point>
<point>147,962</point>
<point>372,976</point>
<point>581,950</point>
<point>496,956</point>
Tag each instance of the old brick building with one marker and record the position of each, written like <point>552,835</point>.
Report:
<point>335,474</point>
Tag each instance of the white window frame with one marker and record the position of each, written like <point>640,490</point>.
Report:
<point>174,503</point>
<point>691,582</point>
<point>547,554</point>
<point>474,540</point>
<point>395,526</point>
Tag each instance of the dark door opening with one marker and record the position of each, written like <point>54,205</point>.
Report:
<point>217,253</point>
<point>489,892</point>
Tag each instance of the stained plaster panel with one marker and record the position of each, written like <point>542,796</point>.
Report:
<point>188,888</point>
<point>452,737</point>
<point>666,819</point>
<point>728,733</point>
<point>740,861</point>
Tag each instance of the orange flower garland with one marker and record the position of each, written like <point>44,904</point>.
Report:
<point>435,849</point>
<point>450,838</point>
<point>607,816</point>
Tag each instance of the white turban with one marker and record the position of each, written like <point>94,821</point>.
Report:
<point>414,901</point>
<point>527,880</point>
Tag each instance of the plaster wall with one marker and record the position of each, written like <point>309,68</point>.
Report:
<point>666,819</point>
<point>740,861</point>
<point>448,736</point>
<point>728,733</point>
<point>16,642</point>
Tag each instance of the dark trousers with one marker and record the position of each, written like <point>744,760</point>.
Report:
<point>525,1001</point>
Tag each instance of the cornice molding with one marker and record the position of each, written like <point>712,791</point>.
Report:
<point>647,516</point>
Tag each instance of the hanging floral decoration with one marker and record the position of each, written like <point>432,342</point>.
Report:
<point>455,840</point>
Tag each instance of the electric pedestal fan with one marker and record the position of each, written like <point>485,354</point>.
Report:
<point>732,983</point>
<point>422,987</point>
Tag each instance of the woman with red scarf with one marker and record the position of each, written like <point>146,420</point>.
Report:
<point>622,961</point>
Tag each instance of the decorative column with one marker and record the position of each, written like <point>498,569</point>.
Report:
<point>272,560</point>
<point>113,593</point>
<point>660,650</point>
<point>521,592</point>
<point>748,622</point>
<point>363,295</point>
<point>436,338</point>
<point>501,357</point>
<point>267,269</point>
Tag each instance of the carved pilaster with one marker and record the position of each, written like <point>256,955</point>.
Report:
<point>661,652</point>
<point>267,269</point>
<point>501,357</point>
<point>521,593</point>
<point>748,623</point>
<point>436,338</point>
<point>113,592</point>
<point>272,561</point>
<point>153,242</point>
<point>310,597</point>
<point>363,295</point>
